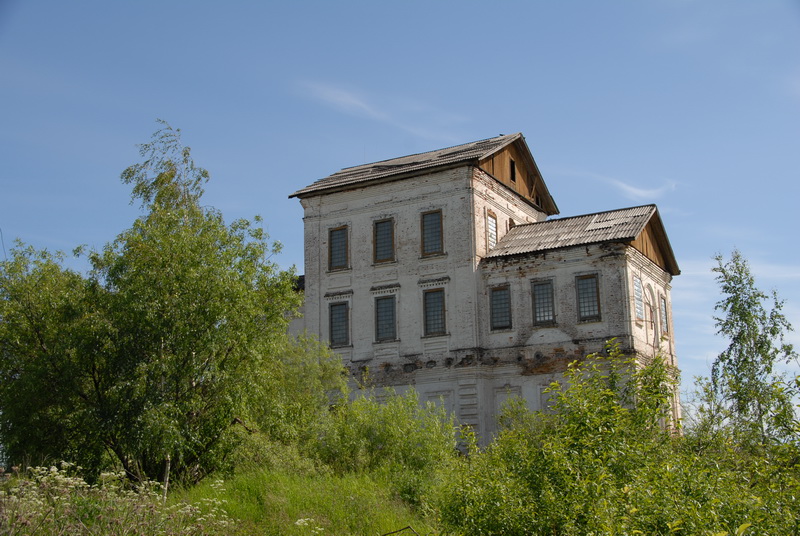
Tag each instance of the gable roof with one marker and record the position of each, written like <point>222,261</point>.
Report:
<point>458,154</point>
<point>623,225</point>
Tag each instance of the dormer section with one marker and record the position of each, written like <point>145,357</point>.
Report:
<point>514,167</point>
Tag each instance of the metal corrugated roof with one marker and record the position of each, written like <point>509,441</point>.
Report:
<point>614,225</point>
<point>475,150</point>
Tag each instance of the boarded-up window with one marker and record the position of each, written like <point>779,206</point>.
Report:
<point>638,297</point>
<point>385,319</point>
<point>544,311</point>
<point>432,233</point>
<point>491,230</point>
<point>588,298</point>
<point>383,241</point>
<point>434,312</point>
<point>339,324</point>
<point>500,307</point>
<point>337,248</point>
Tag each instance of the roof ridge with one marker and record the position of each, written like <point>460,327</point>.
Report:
<point>653,205</point>
<point>430,151</point>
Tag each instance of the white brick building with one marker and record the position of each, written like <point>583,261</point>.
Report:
<point>441,271</point>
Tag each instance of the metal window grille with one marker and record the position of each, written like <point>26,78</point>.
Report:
<point>337,248</point>
<point>434,312</point>
<point>664,318</point>
<point>432,233</point>
<point>543,305</point>
<point>340,324</point>
<point>638,297</point>
<point>501,308</point>
<point>588,298</point>
<point>385,324</point>
<point>384,240</point>
<point>491,222</point>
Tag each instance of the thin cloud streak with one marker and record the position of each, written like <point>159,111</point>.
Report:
<point>356,104</point>
<point>628,190</point>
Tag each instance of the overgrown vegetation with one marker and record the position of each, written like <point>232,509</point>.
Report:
<point>169,360</point>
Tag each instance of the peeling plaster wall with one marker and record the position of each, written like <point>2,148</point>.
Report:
<point>471,369</point>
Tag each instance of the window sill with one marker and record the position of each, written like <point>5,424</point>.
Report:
<point>387,341</point>
<point>435,336</point>
<point>433,256</point>
<point>501,330</point>
<point>339,270</point>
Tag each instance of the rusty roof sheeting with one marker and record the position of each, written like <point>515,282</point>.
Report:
<point>472,151</point>
<point>614,225</point>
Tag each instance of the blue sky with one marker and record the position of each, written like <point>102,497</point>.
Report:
<point>692,105</point>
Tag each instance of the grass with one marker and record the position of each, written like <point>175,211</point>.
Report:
<point>273,502</point>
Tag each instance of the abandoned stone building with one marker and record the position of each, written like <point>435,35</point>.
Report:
<point>442,271</point>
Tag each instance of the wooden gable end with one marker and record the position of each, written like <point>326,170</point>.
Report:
<point>653,243</point>
<point>515,168</point>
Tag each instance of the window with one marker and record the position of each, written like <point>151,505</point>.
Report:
<point>433,301</point>
<point>491,229</point>
<point>544,311</point>
<point>383,241</point>
<point>385,325</point>
<point>339,324</point>
<point>513,171</point>
<point>337,248</point>
<point>432,233</point>
<point>588,298</point>
<point>638,297</point>
<point>500,308</point>
<point>664,318</point>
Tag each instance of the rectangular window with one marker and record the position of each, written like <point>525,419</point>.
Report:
<point>432,233</point>
<point>588,298</point>
<point>491,229</point>
<point>513,171</point>
<point>337,248</point>
<point>500,308</point>
<point>664,318</point>
<point>383,241</point>
<point>434,312</point>
<point>638,297</point>
<point>339,324</point>
<point>385,323</point>
<point>544,311</point>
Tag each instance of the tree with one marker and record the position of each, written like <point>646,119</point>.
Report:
<point>154,358</point>
<point>744,381</point>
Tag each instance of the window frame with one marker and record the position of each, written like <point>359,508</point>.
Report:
<point>664,314</point>
<point>490,243</point>
<point>552,320</point>
<point>345,319</point>
<point>379,335</point>
<point>580,299</point>
<point>344,229</point>
<point>493,316</point>
<point>638,298</point>
<point>426,313</point>
<point>391,257</point>
<point>423,243</point>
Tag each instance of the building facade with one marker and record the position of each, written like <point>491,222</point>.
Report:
<point>442,271</point>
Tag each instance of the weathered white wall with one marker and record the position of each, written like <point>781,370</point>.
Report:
<point>471,369</point>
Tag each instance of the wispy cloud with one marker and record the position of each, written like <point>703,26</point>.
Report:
<point>418,118</point>
<point>628,190</point>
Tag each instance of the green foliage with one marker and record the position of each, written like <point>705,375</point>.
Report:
<point>172,345</point>
<point>285,503</point>
<point>53,501</point>
<point>744,385</point>
<point>398,437</point>
<point>606,461</point>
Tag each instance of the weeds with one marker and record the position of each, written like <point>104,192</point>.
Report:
<point>54,500</point>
